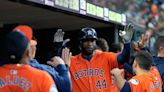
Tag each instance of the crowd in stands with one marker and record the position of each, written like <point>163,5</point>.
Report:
<point>146,15</point>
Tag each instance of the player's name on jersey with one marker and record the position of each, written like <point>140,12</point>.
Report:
<point>88,72</point>
<point>15,81</point>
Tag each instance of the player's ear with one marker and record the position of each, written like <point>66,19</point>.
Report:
<point>29,51</point>
<point>33,50</point>
<point>135,64</point>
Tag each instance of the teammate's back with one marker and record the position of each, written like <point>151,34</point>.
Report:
<point>24,78</point>
<point>147,82</point>
<point>147,77</point>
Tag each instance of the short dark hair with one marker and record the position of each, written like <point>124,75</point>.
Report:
<point>102,44</point>
<point>16,44</point>
<point>159,43</point>
<point>144,59</point>
<point>115,47</point>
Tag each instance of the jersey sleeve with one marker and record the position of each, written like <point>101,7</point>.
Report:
<point>48,84</point>
<point>112,60</point>
<point>59,74</point>
<point>124,56</point>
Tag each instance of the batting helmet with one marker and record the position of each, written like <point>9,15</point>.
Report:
<point>88,33</point>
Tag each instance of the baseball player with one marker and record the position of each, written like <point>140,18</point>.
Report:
<point>147,78</point>
<point>59,72</point>
<point>17,75</point>
<point>158,59</point>
<point>90,70</point>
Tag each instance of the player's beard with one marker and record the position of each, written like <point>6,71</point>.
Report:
<point>88,50</point>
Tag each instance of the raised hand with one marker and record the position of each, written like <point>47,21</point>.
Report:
<point>127,33</point>
<point>144,39</point>
<point>55,61</point>
<point>117,72</point>
<point>58,36</point>
<point>66,55</point>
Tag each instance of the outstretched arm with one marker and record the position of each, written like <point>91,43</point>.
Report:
<point>124,56</point>
<point>141,44</point>
<point>58,44</point>
<point>64,76</point>
<point>59,73</point>
<point>56,49</point>
<point>126,36</point>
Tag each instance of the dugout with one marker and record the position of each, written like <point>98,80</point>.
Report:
<point>46,16</point>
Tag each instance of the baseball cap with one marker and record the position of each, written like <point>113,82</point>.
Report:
<point>27,32</point>
<point>88,33</point>
<point>16,44</point>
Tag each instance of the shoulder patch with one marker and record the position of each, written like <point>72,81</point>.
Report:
<point>53,88</point>
<point>134,81</point>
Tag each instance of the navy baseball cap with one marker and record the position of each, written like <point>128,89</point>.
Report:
<point>16,44</point>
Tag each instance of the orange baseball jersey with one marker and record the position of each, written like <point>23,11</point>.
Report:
<point>25,78</point>
<point>93,75</point>
<point>147,82</point>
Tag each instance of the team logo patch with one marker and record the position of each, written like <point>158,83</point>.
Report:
<point>134,81</point>
<point>89,32</point>
<point>53,88</point>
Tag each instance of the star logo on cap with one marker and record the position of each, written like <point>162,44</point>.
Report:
<point>89,32</point>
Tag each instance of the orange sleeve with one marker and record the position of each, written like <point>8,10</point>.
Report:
<point>112,60</point>
<point>48,84</point>
<point>156,73</point>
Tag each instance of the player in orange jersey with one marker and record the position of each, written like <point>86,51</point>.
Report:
<point>90,70</point>
<point>17,75</point>
<point>59,72</point>
<point>147,78</point>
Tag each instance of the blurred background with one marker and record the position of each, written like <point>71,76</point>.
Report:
<point>46,16</point>
<point>146,15</point>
